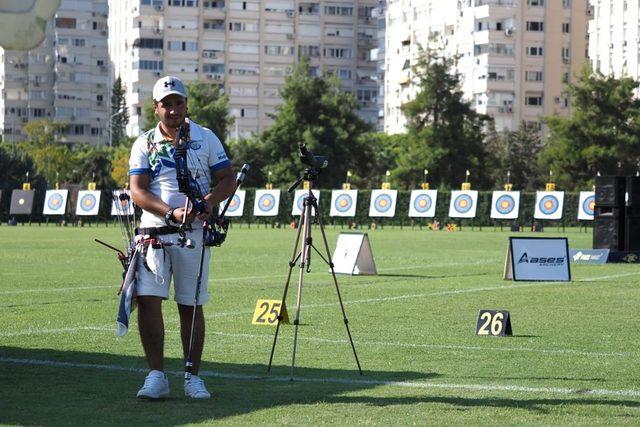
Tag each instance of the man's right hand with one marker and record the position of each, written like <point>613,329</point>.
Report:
<point>178,215</point>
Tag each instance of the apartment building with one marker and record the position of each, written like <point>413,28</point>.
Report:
<point>64,79</point>
<point>614,34</point>
<point>245,47</point>
<point>515,56</point>
<point>378,55</point>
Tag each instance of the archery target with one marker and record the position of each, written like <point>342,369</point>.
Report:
<point>343,202</point>
<point>267,203</point>
<point>463,204</point>
<point>55,202</point>
<point>298,201</point>
<point>383,203</point>
<point>121,205</point>
<point>586,205</point>
<point>236,206</point>
<point>505,204</point>
<point>423,203</point>
<point>22,202</point>
<point>549,205</point>
<point>88,203</point>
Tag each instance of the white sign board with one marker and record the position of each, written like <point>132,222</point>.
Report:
<point>505,204</point>
<point>55,202</point>
<point>343,203</point>
<point>463,204</point>
<point>423,203</point>
<point>267,203</point>
<point>236,207</point>
<point>353,255</point>
<point>383,203</point>
<point>88,202</point>
<point>586,205</point>
<point>298,201</point>
<point>121,205</point>
<point>549,204</point>
<point>538,259</point>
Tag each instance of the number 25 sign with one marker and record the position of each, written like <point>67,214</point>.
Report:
<point>267,312</point>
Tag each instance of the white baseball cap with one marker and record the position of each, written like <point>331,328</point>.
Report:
<point>168,85</point>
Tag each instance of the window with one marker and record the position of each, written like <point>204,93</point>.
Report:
<point>309,51</point>
<point>338,10</point>
<point>38,112</point>
<point>148,43</point>
<point>566,54</point>
<point>533,76</point>
<point>533,100</point>
<point>65,22</point>
<point>184,3</point>
<point>278,50</point>
<point>213,68</point>
<point>214,24</point>
<point>243,26</point>
<point>337,52</point>
<point>535,2</point>
<point>183,46</point>
<point>535,26</point>
<point>566,4</point>
<point>219,4</point>
<point>534,51</point>
<point>145,64</point>
<point>566,27</point>
<point>78,42</point>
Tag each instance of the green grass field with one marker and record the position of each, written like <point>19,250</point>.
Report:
<point>573,359</point>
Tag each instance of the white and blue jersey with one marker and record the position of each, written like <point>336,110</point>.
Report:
<point>151,154</point>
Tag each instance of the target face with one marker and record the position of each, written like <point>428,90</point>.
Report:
<point>22,202</point>
<point>505,204</point>
<point>55,202</point>
<point>343,203</point>
<point>586,205</point>
<point>463,204</point>
<point>266,203</point>
<point>236,205</point>
<point>549,205</point>
<point>299,197</point>
<point>383,203</point>
<point>423,203</point>
<point>88,202</point>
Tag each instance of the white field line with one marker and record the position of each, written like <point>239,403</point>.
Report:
<point>368,383</point>
<point>215,280</point>
<point>560,352</point>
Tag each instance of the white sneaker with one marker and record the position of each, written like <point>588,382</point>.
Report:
<point>195,389</point>
<point>156,386</point>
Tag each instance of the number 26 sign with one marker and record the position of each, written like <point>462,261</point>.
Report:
<point>267,312</point>
<point>494,323</point>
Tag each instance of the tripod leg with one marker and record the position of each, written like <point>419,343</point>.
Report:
<point>292,263</point>
<point>335,282</point>
<point>305,219</point>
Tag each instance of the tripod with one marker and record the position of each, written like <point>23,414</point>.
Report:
<point>304,256</point>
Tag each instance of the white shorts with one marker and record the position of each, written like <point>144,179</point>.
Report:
<point>181,265</point>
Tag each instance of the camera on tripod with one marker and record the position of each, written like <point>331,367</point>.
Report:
<point>308,158</point>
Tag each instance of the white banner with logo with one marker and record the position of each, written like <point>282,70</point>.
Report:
<point>505,204</point>
<point>353,254</point>
<point>423,203</point>
<point>538,259</point>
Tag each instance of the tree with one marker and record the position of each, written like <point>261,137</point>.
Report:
<point>92,164</point>
<point>49,156</point>
<point>602,134</point>
<point>14,166</point>
<point>119,112</point>
<point>120,165</point>
<point>317,112</point>
<point>444,135</point>
<point>207,106</point>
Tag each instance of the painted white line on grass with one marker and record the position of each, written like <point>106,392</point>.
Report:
<point>561,351</point>
<point>369,383</point>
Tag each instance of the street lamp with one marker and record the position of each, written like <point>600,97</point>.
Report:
<point>117,113</point>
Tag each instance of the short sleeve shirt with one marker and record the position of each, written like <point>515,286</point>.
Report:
<point>152,154</point>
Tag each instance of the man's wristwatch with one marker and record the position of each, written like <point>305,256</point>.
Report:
<point>168,217</point>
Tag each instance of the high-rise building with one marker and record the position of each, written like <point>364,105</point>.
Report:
<point>614,34</point>
<point>378,55</point>
<point>64,79</point>
<point>514,56</point>
<point>246,47</point>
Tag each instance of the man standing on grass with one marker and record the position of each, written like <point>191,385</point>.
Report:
<point>154,187</point>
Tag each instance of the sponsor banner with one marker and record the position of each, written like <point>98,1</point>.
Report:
<point>121,203</point>
<point>505,204</point>
<point>267,203</point>
<point>236,207</point>
<point>343,203</point>
<point>538,259</point>
<point>423,203</point>
<point>383,203</point>
<point>549,205</point>
<point>586,205</point>
<point>22,202</point>
<point>88,203</point>
<point>463,204</point>
<point>624,257</point>
<point>589,256</point>
<point>298,201</point>
<point>353,255</point>
<point>55,202</point>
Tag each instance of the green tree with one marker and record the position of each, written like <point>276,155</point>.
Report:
<point>119,112</point>
<point>317,112</point>
<point>49,156</point>
<point>601,135</point>
<point>14,166</point>
<point>444,135</point>
<point>92,163</point>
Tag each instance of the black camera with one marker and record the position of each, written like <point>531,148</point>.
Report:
<point>308,158</point>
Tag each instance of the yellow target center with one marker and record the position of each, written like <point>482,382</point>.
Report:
<point>383,203</point>
<point>463,203</point>
<point>266,202</point>
<point>548,205</point>
<point>504,204</point>
<point>343,203</point>
<point>422,203</point>
<point>592,206</point>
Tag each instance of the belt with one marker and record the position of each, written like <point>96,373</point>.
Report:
<point>156,231</point>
